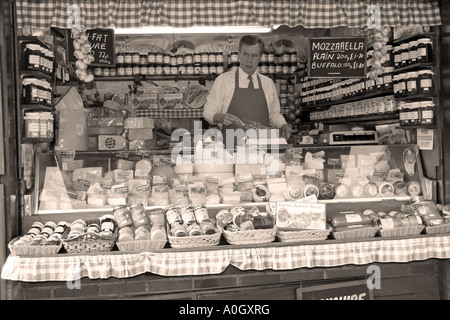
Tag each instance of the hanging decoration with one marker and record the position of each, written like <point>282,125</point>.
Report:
<point>379,39</point>
<point>83,54</point>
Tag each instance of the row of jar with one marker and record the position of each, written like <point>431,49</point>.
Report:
<point>170,59</point>
<point>416,113</point>
<point>414,82</point>
<point>327,91</point>
<point>37,58</point>
<point>412,52</point>
<point>359,108</point>
<point>158,69</point>
<point>39,125</point>
<point>177,59</point>
<point>36,91</point>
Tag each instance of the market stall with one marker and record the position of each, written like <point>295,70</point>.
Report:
<point>109,195</point>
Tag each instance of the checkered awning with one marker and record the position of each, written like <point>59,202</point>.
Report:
<point>187,13</point>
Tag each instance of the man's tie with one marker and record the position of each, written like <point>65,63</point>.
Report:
<point>250,84</point>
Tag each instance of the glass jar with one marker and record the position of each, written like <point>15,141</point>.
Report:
<point>188,58</point>
<point>411,83</point>
<point>143,60</point>
<point>144,69</point>
<point>98,72</point>
<point>234,57</point>
<point>32,57</point>
<point>220,69</point>
<point>173,70</point>
<point>219,57</point>
<point>120,58</point>
<point>151,69</point>
<point>213,68</point>
<point>29,90</point>
<point>166,69</point>
<point>387,78</point>
<point>414,115</point>
<point>271,69</point>
<point>190,69</point>
<point>159,69</point>
<point>412,48</point>
<point>166,58</point>
<point>172,59</point>
<point>427,112</point>
<point>424,53</point>
<point>212,58</point>
<point>205,68</point>
<point>264,57</point>
<point>198,68</point>
<point>278,68</point>
<point>180,59</point>
<point>105,72</point>
<point>151,57</point>
<point>182,69</point>
<point>136,58</point>
<point>264,68</point>
<point>120,69</point>
<point>112,71</point>
<point>159,58</point>
<point>197,58</point>
<point>397,57</point>
<point>128,58</point>
<point>404,54</point>
<point>136,69</point>
<point>425,81</point>
<point>270,57</point>
<point>128,69</point>
<point>107,226</point>
<point>389,56</point>
<point>293,57</point>
<point>32,129</point>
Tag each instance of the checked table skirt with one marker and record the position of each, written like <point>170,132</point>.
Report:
<point>169,262</point>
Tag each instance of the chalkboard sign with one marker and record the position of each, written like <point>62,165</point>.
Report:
<point>349,290</point>
<point>102,47</point>
<point>337,57</point>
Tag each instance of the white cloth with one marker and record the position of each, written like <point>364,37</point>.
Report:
<point>222,91</point>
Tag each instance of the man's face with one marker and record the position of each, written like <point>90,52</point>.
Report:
<point>249,57</point>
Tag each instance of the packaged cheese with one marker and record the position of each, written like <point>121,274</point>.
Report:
<point>138,123</point>
<point>140,134</point>
<point>111,142</point>
<point>121,175</point>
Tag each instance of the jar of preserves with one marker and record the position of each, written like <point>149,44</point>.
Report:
<point>136,58</point>
<point>424,53</point>
<point>136,69</point>
<point>151,69</point>
<point>188,58</point>
<point>76,229</point>
<point>219,57</point>
<point>234,57</point>
<point>212,58</point>
<point>167,58</point>
<point>143,69</point>
<point>412,48</point>
<point>138,215</point>
<point>197,68</point>
<point>128,58</point>
<point>425,81</point>
<point>213,68</point>
<point>57,234</point>
<point>143,60</point>
<point>122,216</point>
<point>120,69</point>
<point>270,57</point>
<point>387,78</point>
<point>271,68</point>
<point>411,83</point>
<point>205,68</point>
<point>128,69</point>
<point>414,114</point>
<point>105,72</point>
<point>159,69</point>
<point>173,70</point>
<point>159,58</point>
<point>120,58</point>
<point>279,68</point>
<point>166,69</point>
<point>197,57</point>
<point>182,69</point>
<point>220,69</point>
<point>173,59</point>
<point>427,112</point>
<point>404,54</point>
<point>264,56</point>
<point>151,57</point>
<point>32,57</point>
<point>32,125</point>
<point>397,56</point>
<point>158,232</point>
<point>180,59</point>
<point>264,68</point>
<point>107,226</point>
<point>112,71</point>
<point>190,69</point>
<point>293,57</point>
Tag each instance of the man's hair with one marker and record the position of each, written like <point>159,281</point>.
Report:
<point>250,40</point>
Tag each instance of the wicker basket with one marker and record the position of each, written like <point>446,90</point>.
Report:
<point>205,240</point>
<point>302,235</point>
<point>401,231</point>
<point>358,233</point>
<point>440,228</point>
<point>34,251</point>
<point>81,244</point>
<point>141,245</point>
<point>256,236</point>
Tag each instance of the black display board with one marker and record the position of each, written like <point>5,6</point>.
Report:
<point>102,47</point>
<point>349,290</point>
<point>337,57</point>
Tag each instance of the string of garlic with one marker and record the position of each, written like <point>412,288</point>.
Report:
<point>83,54</point>
<point>380,40</point>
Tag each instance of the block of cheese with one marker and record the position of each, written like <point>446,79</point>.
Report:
<point>143,168</point>
<point>138,123</point>
<point>253,169</point>
<point>111,142</point>
<point>147,144</point>
<point>140,134</point>
<point>125,164</point>
<point>121,175</point>
<point>97,200</point>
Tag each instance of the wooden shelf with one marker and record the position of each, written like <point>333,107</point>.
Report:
<point>36,140</point>
<point>421,126</point>
<point>413,37</point>
<point>375,117</point>
<point>375,94</point>
<point>416,97</point>
<point>36,106</point>
<point>36,74</point>
<point>414,66</point>
<point>33,39</point>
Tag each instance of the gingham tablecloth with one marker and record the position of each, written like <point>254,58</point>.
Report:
<point>168,262</point>
<point>187,13</point>
<point>182,113</point>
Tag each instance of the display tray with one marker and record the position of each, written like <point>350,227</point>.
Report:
<point>358,233</point>
<point>33,251</point>
<point>302,235</point>
<point>257,236</point>
<point>81,244</point>
<point>401,231</point>
<point>141,245</point>
<point>441,228</point>
<point>205,240</point>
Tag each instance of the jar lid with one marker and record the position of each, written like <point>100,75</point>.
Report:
<point>404,45</point>
<point>424,40</point>
<point>425,72</point>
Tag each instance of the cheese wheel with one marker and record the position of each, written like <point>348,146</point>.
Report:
<point>386,189</point>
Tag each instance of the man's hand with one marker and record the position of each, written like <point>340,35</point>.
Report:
<point>225,118</point>
<point>285,131</point>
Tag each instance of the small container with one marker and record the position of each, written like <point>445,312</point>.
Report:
<point>427,112</point>
<point>190,69</point>
<point>412,50</point>
<point>112,71</point>
<point>425,81</point>
<point>264,57</point>
<point>158,232</point>
<point>173,59</point>
<point>264,68</point>
<point>122,216</point>
<point>107,226</point>
<point>198,68</point>
<point>120,69</point>
<point>219,57</point>
<point>151,57</point>
<point>32,125</point>
<point>194,229</point>
<point>138,215</point>
<point>151,69</point>
<point>92,230</point>
<point>32,57</point>
<point>197,57</point>
<point>234,57</point>
<point>173,70</point>
<point>142,233</point>
<point>159,58</point>
<point>404,54</point>
<point>76,229</point>
<point>188,58</point>
<point>397,57</point>
<point>105,71</point>
<point>128,70</point>
<point>173,216</point>
<point>98,72</point>
<point>136,69</point>
<point>387,78</point>
<point>159,69</point>
<point>270,57</point>
<point>220,69</point>
<point>35,229</point>
<point>180,59</point>
<point>271,69</point>
<point>213,68</point>
<point>136,58</point>
<point>143,60</point>
<point>166,69</point>
<point>188,215</point>
<point>178,230</point>
<point>212,58</point>
<point>293,57</point>
<point>411,83</point>
<point>120,58</point>
<point>143,69</point>
<point>424,51</point>
<point>128,58</point>
<point>182,69</point>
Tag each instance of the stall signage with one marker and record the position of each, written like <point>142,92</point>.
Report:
<point>349,290</point>
<point>102,47</point>
<point>337,57</point>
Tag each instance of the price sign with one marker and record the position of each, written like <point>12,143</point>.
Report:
<point>331,57</point>
<point>102,47</point>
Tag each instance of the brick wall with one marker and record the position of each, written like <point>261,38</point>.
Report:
<point>414,280</point>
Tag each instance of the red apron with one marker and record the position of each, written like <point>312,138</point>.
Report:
<point>248,104</point>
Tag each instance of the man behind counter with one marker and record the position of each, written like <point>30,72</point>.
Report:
<point>245,94</point>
